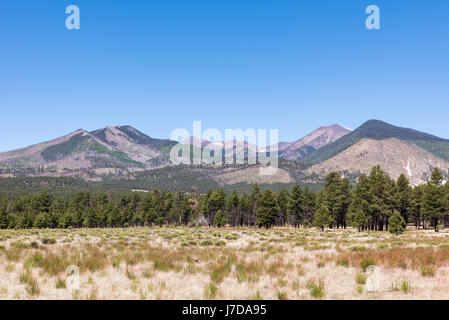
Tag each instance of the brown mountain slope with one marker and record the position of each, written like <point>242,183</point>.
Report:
<point>32,155</point>
<point>314,140</point>
<point>393,155</point>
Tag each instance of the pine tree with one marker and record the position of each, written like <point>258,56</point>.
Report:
<point>309,205</point>
<point>403,196</point>
<point>41,221</point>
<point>283,201</point>
<point>268,208</point>
<point>380,201</point>
<point>396,223</point>
<point>296,205</point>
<point>233,208</point>
<point>323,217</point>
<point>433,206</point>
<point>417,205</point>
<point>220,219</point>
<point>217,201</point>
<point>254,203</point>
<point>3,215</point>
<point>359,220</point>
<point>336,197</point>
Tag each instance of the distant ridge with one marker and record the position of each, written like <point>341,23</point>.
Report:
<point>378,130</point>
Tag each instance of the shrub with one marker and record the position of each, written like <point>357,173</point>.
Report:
<point>32,288</point>
<point>282,282</point>
<point>306,224</point>
<point>60,283</point>
<point>316,289</point>
<point>282,295</point>
<point>427,271</point>
<point>147,273</point>
<point>256,296</point>
<point>48,241</point>
<point>300,270</point>
<point>206,243</point>
<point>405,286</point>
<point>342,262</point>
<point>220,243</point>
<point>130,275</point>
<point>360,278</point>
<point>210,291</point>
<point>365,263</point>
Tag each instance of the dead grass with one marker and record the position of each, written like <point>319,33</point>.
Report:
<point>240,263</point>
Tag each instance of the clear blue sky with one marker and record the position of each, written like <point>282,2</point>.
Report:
<point>158,65</point>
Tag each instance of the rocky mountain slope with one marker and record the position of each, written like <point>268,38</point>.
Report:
<point>121,152</point>
<point>378,130</point>
<point>393,155</point>
<point>105,150</point>
<point>313,141</point>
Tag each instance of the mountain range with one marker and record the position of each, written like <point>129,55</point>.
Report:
<point>122,152</point>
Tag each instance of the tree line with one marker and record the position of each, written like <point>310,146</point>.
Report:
<point>375,202</point>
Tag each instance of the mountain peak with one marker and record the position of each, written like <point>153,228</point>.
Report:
<point>314,141</point>
<point>380,130</point>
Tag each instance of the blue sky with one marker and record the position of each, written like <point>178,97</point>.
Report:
<point>159,65</point>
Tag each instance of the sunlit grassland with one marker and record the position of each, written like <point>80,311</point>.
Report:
<point>222,263</point>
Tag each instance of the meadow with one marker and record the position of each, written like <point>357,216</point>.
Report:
<point>223,263</point>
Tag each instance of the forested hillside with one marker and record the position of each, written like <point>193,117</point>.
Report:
<point>373,203</point>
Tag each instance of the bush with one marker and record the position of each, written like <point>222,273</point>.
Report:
<point>365,263</point>
<point>427,271</point>
<point>206,243</point>
<point>282,295</point>
<point>342,262</point>
<point>60,283</point>
<point>210,291</point>
<point>360,278</point>
<point>48,241</point>
<point>316,289</point>
<point>405,286</point>
<point>220,243</point>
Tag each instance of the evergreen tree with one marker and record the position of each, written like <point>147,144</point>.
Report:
<point>233,208</point>
<point>296,205</point>
<point>309,205</point>
<point>403,197</point>
<point>417,205</point>
<point>336,197</point>
<point>254,204</point>
<point>41,221</point>
<point>266,213</point>
<point>283,199</point>
<point>3,215</point>
<point>323,217</point>
<point>220,219</point>
<point>396,223</point>
<point>433,206</point>
<point>359,220</point>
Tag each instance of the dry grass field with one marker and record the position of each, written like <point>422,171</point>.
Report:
<point>226,263</point>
